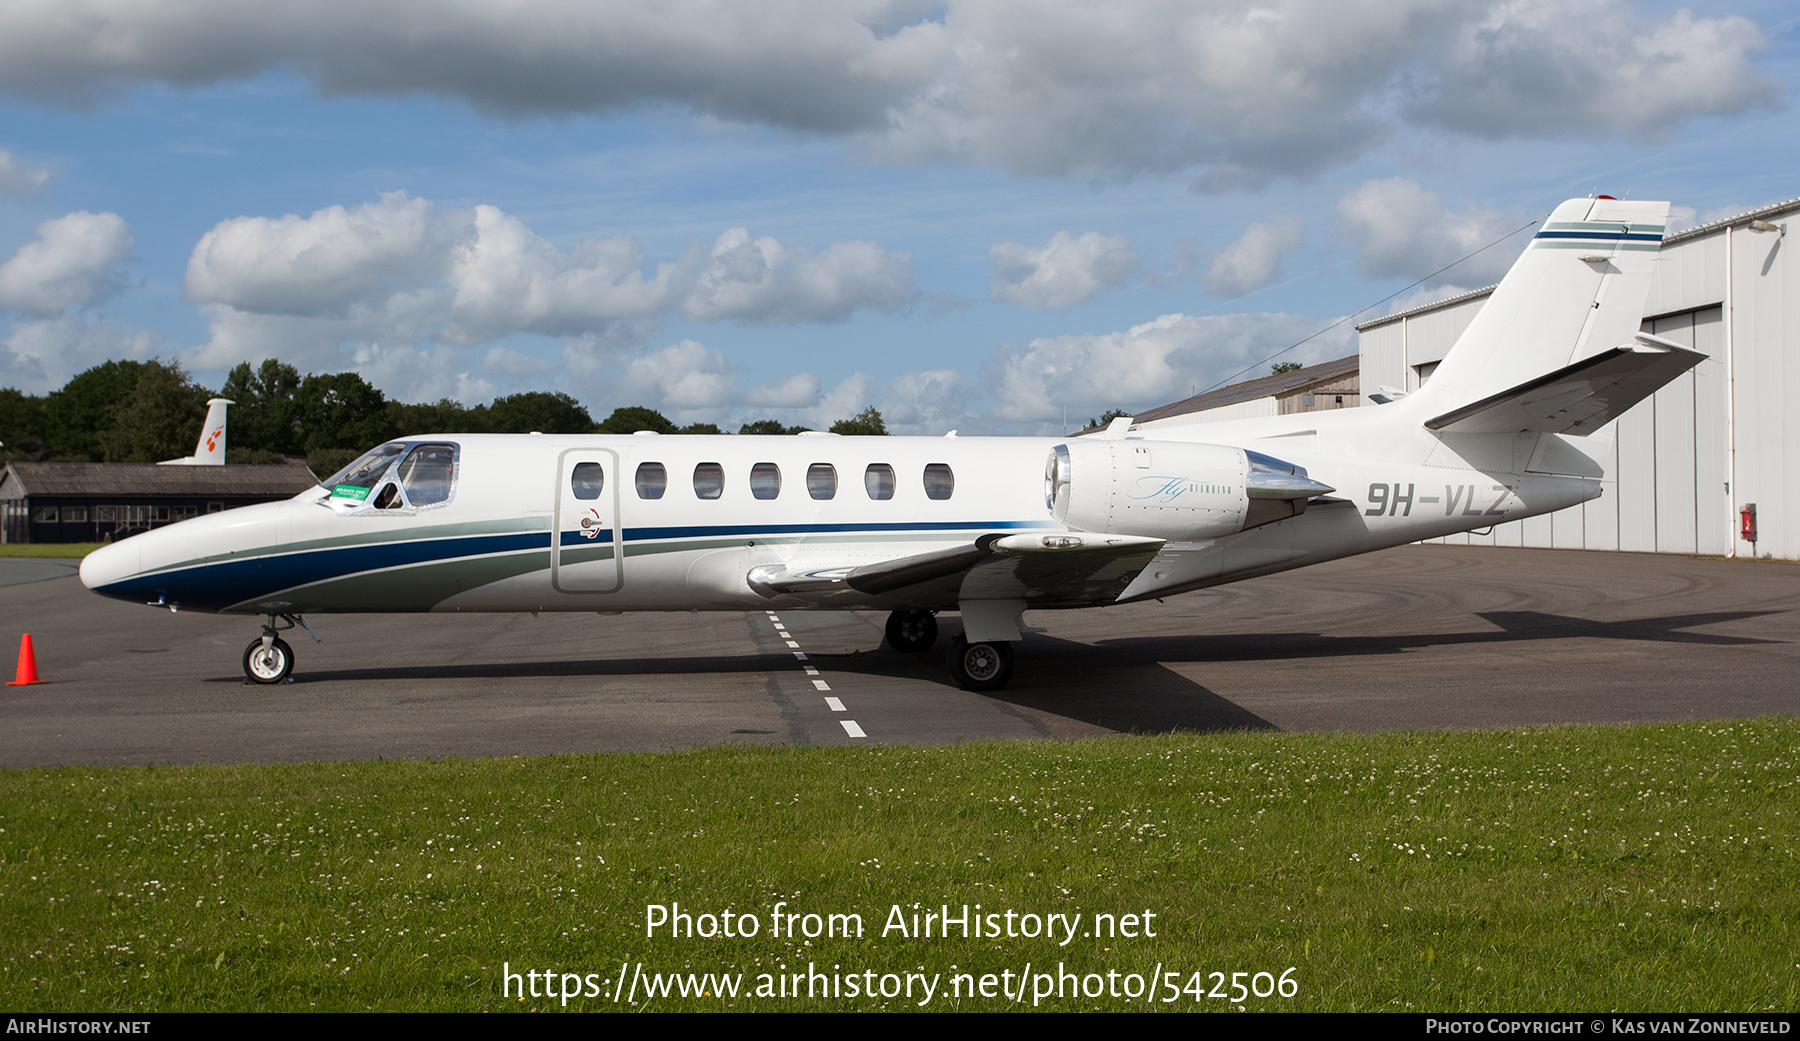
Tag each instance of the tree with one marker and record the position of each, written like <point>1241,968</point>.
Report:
<point>1283,366</point>
<point>700,428</point>
<point>263,412</point>
<point>865,423</point>
<point>545,412</point>
<point>1107,417</point>
<point>81,413</point>
<point>22,424</point>
<point>770,426</point>
<point>341,410</point>
<point>160,419</point>
<point>444,416</point>
<point>633,418</point>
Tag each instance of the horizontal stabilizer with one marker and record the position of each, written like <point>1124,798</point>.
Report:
<point>1579,398</point>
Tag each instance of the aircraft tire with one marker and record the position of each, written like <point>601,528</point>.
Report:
<point>272,667</point>
<point>910,632</point>
<point>980,667</point>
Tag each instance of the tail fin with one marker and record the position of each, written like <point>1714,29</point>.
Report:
<point>1576,292</point>
<point>211,449</point>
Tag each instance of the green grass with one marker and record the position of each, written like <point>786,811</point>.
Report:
<point>48,549</point>
<point>1648,868</point>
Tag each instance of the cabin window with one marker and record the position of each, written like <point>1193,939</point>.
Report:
<point>878,479</point>
<point>939,481</point>
<point>709,480</point>
<point>587,480</point>
<point>427,474</point>
<point>821,481</point>
<point>652,479</point>
<point>765,480</point>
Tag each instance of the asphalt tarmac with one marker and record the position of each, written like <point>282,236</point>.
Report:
<point>1423,637</point>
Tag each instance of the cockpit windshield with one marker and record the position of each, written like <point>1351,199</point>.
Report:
<point>426,476</point>
<point>358,479</point>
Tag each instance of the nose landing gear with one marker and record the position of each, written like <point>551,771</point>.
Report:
<point>269,659</point>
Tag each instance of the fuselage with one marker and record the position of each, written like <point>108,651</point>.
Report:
<point>665,523</point>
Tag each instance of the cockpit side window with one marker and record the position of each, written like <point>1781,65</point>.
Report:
<point>428,473</point>
<point>358,479</point>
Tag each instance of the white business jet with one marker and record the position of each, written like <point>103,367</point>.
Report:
<point>988,527</point>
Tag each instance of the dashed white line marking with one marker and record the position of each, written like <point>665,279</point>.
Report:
<point>791,643</point>
<point>851,728</point>
<point>821,684</point>
<point>800,654</point>
<point>810,671</point>
<point>834,704</point>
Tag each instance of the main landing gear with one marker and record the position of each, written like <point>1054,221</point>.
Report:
<point>269,659</point>
<point>910,632</point>
<point>982,666</point>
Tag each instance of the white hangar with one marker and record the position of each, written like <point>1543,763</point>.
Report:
<point>1682,466</point>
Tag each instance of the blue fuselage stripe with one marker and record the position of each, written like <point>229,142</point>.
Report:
<point>220,584</point>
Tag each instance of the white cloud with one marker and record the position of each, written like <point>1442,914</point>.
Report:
<point>683,377</point>
<point>1149,364</point>
<point>1571,67</point>
<point>400,270</point>
<point>507,279</point>
<point>1232,92</point>
<point>930,403</point>
<point>322,264</point>
<point>800,390</point>
<point>1403,231</point>
<point>1065,272</point>
<point>17,179</point>
<point>758,281</point>
<point>41,356</point>
<point>1254,260</point>
<point>71,262</point>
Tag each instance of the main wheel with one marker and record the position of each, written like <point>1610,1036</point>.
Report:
<point>980,666</point>
<point>911,631</point>
<point>268,666</point>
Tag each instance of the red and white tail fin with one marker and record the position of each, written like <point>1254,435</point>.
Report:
<point>211,449</point>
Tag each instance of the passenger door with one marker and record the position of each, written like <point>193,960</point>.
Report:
<point>587,554</point>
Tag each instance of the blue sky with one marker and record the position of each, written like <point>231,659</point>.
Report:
<point>973,216</point>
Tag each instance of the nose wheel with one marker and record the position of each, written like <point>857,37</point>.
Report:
<point>980,667</point>
<point>910,632</point>
<point>269,659</point>
<point>268,662</point>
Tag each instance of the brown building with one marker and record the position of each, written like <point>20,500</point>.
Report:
<point>102,502</point>
<point>1315,388</point>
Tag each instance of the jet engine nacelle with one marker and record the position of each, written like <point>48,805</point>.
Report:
<point>1171,490</point>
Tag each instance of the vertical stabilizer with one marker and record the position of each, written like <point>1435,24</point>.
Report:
<point>211,449</point>
<point>1578,290</point>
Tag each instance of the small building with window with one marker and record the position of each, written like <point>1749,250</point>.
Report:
<point>103,502</point>
<point>1314,388</point>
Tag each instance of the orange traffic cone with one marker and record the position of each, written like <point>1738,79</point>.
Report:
<point>27,664</point>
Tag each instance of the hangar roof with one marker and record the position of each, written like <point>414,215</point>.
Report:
<point>95,480</point>
<point>1292,381</point>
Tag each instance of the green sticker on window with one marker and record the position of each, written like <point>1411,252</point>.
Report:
<point>350,491</point>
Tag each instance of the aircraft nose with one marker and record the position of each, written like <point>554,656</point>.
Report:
<point>110,565</point>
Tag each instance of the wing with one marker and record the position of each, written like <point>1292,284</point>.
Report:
<point>1060,569</point>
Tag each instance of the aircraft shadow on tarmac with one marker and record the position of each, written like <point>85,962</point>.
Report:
<point>1515,627</point>
<point>1119,684</point>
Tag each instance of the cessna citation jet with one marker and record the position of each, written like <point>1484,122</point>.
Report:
<point>988,527</point>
